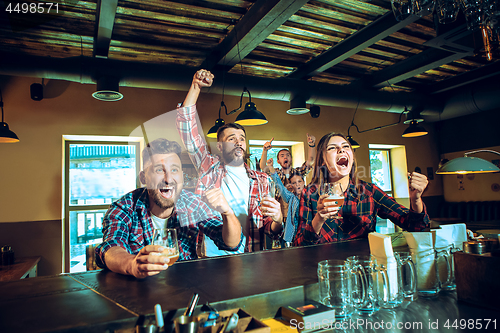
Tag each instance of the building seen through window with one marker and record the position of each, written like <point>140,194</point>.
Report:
<point>96,175</point>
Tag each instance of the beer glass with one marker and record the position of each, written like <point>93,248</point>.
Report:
<point>334,192</point>
<point>167,238</point>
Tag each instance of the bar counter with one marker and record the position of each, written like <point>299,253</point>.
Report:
<point>103,301</point>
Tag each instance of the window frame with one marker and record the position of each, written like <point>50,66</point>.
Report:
<point>391,177</point>
<point>67,207</point>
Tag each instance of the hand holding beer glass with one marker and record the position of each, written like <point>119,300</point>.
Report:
<point>332,196</point>
<point>167,238</point>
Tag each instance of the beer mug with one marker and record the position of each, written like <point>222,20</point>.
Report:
<point>335,287</point>
<point>446,270</point>
<point>371,287</point>
<point>407,279</point>
<point>426,263</point>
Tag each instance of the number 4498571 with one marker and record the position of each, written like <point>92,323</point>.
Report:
<point>472,324</point>
<point>32,8</point>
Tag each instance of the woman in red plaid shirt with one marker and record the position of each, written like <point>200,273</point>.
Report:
<point>322,222</point>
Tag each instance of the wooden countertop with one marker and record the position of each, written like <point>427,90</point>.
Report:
<point>260,282</point>
<point>21,267</point>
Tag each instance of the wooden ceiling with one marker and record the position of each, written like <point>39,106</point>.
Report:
<point>354,43</point>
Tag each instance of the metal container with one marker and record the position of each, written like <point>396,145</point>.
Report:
<point>474,247</point>
<point>7,257</point>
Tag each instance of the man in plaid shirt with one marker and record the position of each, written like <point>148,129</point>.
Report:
<point>230,175</point>
<point>128,224</point>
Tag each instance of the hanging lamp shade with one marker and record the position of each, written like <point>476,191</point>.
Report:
<point>212,132</point>
<point>6,135</point>
<point>353,142</point>
<point>251,116</point>
<point>466,165</point>
<point>414,130</point>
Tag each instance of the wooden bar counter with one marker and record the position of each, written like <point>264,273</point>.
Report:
<point>100,301</point>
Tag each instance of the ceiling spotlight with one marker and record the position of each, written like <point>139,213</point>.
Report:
<point>107,89</point>
<point>297,105</point>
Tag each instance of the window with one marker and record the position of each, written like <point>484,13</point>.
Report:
<point>255,150</point>
<point>380,172</point>
<point>96,174</point>
<point>256,154</point>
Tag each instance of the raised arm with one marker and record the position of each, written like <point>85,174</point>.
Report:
<point>263,158</point>
<point>201,78</point>
<point>311,150</point>
<point>187,124</point>
<point>418,183</point>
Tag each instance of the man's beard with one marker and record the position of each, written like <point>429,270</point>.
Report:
<point>161,201</point>
<point>231,159</point>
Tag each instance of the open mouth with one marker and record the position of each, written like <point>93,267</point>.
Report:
<point>343,162</point>
<point>238,151</point>
<point>167,192</point>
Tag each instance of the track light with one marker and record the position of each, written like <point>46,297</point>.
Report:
<point>107,89</point>
<point>297,105</point>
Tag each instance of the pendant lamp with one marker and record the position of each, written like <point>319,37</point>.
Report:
<point>6,135</point>
<point>466,165</point>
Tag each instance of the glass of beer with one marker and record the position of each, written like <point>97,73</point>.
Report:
<point>167,238</point>
<point>266,191</point>
<point>334,192</point>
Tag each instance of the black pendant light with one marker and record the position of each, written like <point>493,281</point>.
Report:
<point>212,132</point>
<point>250,115</point>
<point>6,135</point>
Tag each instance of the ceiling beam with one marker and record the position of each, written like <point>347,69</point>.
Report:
<point>413,66</point>
<point>465,78</point>
<point>261,20</point>
<point>369,35</point>
<point>105,19</point>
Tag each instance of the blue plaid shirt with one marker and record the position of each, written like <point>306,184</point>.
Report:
<point>292,217</point>
<point>128,224</point>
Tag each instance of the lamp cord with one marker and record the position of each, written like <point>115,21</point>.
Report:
<point>1,103</point>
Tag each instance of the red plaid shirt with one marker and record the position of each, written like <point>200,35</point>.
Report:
<point>357,217</point>
<point>128,224</point>
<point>212,171</point>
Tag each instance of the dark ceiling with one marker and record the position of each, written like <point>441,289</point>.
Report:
<point>335,52</point>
